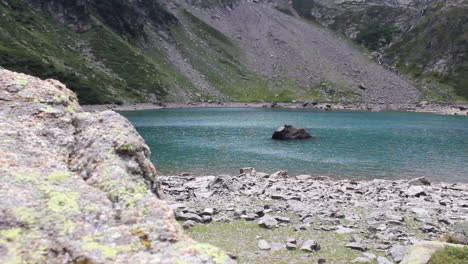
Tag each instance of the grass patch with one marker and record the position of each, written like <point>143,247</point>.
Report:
<point>241,237</point>
<point>452,255</point>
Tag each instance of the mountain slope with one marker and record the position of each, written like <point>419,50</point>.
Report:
<point>114,51</point>
<point>426,39</point>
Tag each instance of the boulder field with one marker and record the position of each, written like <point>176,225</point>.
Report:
<point>270,215</point>
<point>78,187</point>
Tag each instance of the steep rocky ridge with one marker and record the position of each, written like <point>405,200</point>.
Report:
<point>424,38</point>
<point>78,187</point>
<point>115,51</point>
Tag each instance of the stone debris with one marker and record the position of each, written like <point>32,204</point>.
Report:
<point>264,245</point>
<point>310,245</point>
<point>267,221</point>
<point>389,216</point>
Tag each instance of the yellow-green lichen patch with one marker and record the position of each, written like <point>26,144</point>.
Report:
<point>49,109</point>
<point>58,176</point>
<point>63,201</point>
<point>111,154</point>
<point>125,147</point>
<point>67,227</point>
<point>215,253</point>
<point>26,214</point>
<point>10,234</point>
<point>20,80</point>
<point>71,109</point>
<point>108,251</point>
<point>30,177</point>
<point>60,98</point>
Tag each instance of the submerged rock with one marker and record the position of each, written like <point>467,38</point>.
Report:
<point>289,132</point>
<point>79,187</point>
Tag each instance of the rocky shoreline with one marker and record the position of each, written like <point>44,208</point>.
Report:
<point>376,219</point>
<point>423,107</point>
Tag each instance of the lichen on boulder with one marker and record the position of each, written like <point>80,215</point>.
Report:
<point>78,187</point>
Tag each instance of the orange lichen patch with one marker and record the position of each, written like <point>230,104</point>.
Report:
<point>144,239</point>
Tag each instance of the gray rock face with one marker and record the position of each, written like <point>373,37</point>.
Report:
<point>310,245</point>
<point>460,233</point>
<point>264,245</point>
<point>397,252</point>
<point>79,187</point>
<point>289,132</point>
<point>268,221</point>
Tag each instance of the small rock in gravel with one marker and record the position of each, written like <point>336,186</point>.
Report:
<point>361,260</point>
<point>279,174</point>
<point>415,191</point>
<point>291,246</point>
<point>208,211</point>
<point>397,252</point>
<point>369,255</point>
<point>419,181</point>
<point>267,221</point>
<point>357,246</point>
<point>303,177</point>
<point>207,219</point>
<point>189,216</point>
<point>310,245</point>
<point>283,219</point>
<point>231,255</point>
<point>382,260</point>
<point>344,230</point>
<point>189,224</point>
<point>262,175</point>
<point>249,217</point>
<point>264,245</point>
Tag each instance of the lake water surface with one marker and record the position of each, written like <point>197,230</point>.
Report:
<point>358,145</point>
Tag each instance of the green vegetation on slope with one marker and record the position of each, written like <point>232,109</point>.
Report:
<point>376,35</point>
<point>98,65</point>
<point>452,255</point>
<point>436,49</point>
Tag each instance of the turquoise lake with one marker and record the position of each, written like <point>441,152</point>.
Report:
<point>354,145</point>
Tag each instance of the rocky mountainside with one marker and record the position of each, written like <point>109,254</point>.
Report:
<point>116,51</point>
<point>425,39</point>
<point>79,187</point>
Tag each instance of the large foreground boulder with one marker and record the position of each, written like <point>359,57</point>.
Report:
<point>289,132</point>
<point>421,252</point>
<point>78,187</point>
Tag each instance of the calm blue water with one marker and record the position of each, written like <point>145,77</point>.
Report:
<point>360,145</point>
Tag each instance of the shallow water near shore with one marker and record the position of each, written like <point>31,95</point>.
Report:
<point>355,145</point>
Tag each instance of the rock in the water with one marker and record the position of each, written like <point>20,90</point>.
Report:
<point>289,132</point>
<point>310,245</point>
<point>80,187</point>
<point>267,221</point>
<point>264,245</point>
